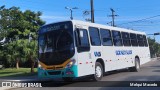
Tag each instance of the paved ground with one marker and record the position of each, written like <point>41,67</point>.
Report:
<point>149,72</point>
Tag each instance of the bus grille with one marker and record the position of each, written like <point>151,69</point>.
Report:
<point>54,73</point>
<point>55,68</point>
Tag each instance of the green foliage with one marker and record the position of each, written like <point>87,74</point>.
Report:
<point>18,26</point>
<point>154,47</point>
<point>13,72</point>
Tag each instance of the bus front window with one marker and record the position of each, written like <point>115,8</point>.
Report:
<point>56,46</point>
<point>41,44</point>
<point>64,41</point>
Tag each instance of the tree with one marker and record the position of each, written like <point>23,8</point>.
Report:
<point>154,47</point>
<point>17,26</point>
<point>30,52</point>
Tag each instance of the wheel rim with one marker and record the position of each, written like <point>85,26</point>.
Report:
<point>98,71</point>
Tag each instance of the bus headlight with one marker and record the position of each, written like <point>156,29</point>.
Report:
<point>39,66</point>
<point>70,64</point>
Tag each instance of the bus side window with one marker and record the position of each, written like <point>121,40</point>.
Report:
<point>82,41</point>
<point>133,38</point>
<point>106,37</point>
<point>117,39</point>
<point>140,40</point>
<point>94,36</point>
<point>145,40</point>
<point>126,39</point>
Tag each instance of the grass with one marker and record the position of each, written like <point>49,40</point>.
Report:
<point>13,72</point>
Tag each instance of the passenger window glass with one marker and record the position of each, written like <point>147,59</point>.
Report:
<point>126,39</point>
<point>94,36</point>
<point>117,38</point>
<point>106,37</point>
<point>140,40</point>
<point>82,41</point>
<point>133,38</point>
<point>145,40</point>
<point>82,37</point>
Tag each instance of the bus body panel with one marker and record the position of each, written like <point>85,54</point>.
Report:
<point>85,61</point>
<point>108,53</point>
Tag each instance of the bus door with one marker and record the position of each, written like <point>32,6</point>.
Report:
<point>85,64</point>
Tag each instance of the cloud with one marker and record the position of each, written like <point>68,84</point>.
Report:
<point>54,17</point>
<point>51,19</point>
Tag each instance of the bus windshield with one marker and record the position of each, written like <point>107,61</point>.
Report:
<point>56,46</point>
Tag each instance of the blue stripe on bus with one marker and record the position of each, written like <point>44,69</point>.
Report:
<point>123,52</point>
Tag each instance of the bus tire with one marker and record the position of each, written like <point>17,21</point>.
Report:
<point>136,68</point>
<point>98,72</point>
<point>67,79</point>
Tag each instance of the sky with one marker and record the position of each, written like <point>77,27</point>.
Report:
<point>141,15</point>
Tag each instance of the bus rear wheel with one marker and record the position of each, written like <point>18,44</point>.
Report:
<point>98,72</point>
<point>136,68</point>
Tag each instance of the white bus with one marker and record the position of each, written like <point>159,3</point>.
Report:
<point>71,49</point>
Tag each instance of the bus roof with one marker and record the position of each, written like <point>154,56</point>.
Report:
<point>84,23</point>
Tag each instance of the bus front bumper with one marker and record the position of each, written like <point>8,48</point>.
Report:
<point>66,72</point>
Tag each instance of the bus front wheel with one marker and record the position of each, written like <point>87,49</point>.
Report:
<point>98,72</point>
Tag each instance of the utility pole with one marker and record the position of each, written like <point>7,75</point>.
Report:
<point>92,11</point>
<point>113,17</point>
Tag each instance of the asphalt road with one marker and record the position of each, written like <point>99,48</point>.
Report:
<point>149,72</point>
